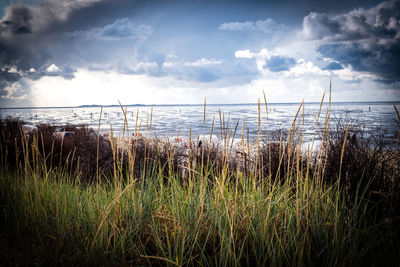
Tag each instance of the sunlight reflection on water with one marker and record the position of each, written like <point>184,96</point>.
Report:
<point>169,120</point>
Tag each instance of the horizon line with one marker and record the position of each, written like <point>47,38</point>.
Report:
<point>202,104</point>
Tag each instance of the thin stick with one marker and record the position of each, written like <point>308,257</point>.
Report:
<point>98,145</point>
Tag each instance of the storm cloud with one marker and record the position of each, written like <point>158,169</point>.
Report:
<point>36,37</point>
<point>368,40</point>
<point>63,36</point>
<point>28,35</point>
<point>53,45</point>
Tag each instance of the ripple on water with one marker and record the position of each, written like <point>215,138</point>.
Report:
<point>167,120</point>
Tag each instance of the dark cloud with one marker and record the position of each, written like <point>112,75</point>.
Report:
<point>375,58</point>
<point>24,43</point>
<point>35,37</point>
<point>114,35</point>
<point>52,71</point>
<point>54,32</point>
<point>356,25</point>
<point>366,39</point>
<point>333,66</point>
<point>279,63</point>
<point>17,20</point>
<point>8,78</point>
<point>30,36</point>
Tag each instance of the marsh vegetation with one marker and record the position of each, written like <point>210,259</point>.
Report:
<point>88,199</point>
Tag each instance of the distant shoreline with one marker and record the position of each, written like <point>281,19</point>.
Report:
<point>194,105</point>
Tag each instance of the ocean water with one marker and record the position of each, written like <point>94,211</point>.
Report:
<point>171,120</point>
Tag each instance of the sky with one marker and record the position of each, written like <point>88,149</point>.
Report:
<point>82,52</point>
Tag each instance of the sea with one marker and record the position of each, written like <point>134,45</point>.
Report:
<point>234,120</point>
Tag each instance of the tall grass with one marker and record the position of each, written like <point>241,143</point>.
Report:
<point>153,204</point>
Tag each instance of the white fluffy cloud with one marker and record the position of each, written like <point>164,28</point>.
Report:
<point>305,81</point>
<point>262,57</point>
<point>53,68</point>
<point>298,67</point>
<point>14,92</point>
